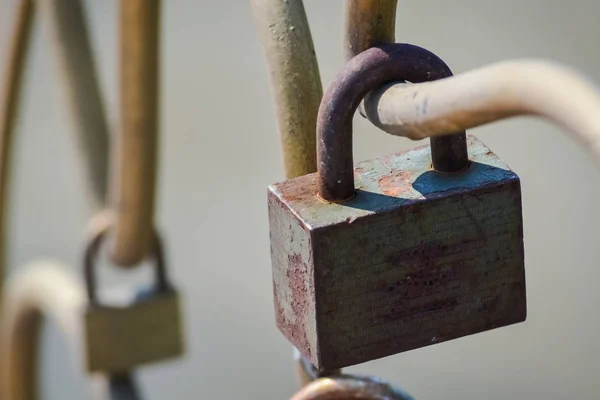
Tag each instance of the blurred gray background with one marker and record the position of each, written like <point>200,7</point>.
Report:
<point>219,152</point>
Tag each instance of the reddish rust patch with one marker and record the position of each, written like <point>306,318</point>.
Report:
<point>303,188</point>
<point>396,183</point>
<point>295,328</point>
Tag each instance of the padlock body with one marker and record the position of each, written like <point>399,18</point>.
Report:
<point>121,338</point>
<point>416,258</point>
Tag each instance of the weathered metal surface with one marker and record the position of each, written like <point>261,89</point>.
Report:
<point>364,73</point>
<point>350,387</point>
<point>118,339</point>
<point>415,258</point>
<point>368,23</point>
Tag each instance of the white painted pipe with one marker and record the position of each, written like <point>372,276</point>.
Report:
<point>521,87</point>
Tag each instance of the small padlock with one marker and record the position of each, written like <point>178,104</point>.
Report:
<point>393,255</point>
<point>118,339</point>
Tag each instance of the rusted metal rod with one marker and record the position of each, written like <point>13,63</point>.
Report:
<point>133,193</point>
<point>76,61</point>
<point>369,23</point>
<point>295,81</point>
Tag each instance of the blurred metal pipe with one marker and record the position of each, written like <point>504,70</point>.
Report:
<point>133,188</point>
<point>40,290</point>
<point>74,53</point>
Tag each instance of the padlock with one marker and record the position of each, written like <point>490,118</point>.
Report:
<point>392,254</point>
<point>147,330</point>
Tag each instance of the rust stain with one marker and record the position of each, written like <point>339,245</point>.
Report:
<point>296,273</point>
<point>302,189</point>
<point>395,184</point>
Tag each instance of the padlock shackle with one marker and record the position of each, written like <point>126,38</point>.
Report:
<point>91,254</point>
<point>362,74</point>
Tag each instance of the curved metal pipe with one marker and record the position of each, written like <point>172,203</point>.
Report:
<point>492,93</point>
<point>40,290</point>
<point>295,81</point>
<point>82,88</point>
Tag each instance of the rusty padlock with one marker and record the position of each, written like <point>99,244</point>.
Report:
<point>118,339</point>
<point>393,255</point>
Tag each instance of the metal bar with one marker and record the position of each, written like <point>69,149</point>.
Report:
<point>484,95</point>
<point>77,65</point>
<point>369,23</point>
<point>133,193</point>
<point>9,108</point>
<point>74,54</point>
<point>295,81</point>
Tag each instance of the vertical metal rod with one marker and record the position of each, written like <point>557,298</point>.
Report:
<point>134,174</point>
<point>9,108</point>
<point>287,42</point>
<point>73,51</point>
<point>295,81</point>
<point>369,23</point>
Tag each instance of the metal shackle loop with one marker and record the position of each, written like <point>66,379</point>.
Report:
<point>347,387</point>
<point>362,74</point>
<point>91,253</point>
